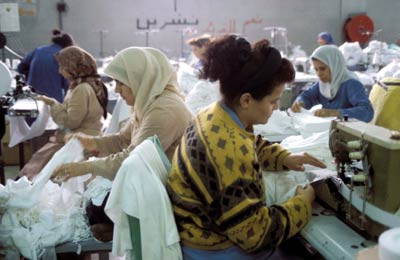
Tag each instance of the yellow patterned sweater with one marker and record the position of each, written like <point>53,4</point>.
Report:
<point>217,192</point>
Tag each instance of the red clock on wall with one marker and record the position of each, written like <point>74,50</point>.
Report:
<point>359,28</point>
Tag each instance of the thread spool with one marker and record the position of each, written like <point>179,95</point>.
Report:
<point>354,144</point>
<point>356,155</point>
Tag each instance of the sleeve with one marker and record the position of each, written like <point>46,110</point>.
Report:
<point>114,143</point>
<point>310,96</point>
<point>71,113</point>
<point>270,155</point>
<point>361,107</point>
<point>23,66</point>
<point>158,122</point>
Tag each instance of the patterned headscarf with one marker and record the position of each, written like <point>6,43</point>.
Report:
<point>331,56</point>
<point>81,67</point>
<point>147,72</point>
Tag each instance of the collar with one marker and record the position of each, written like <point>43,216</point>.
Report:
<point>232,114</point>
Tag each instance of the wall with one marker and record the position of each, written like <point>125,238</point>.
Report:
<point>169,23</point>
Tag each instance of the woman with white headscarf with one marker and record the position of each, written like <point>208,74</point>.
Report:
<point>338,90</point>
<point>147,82</point>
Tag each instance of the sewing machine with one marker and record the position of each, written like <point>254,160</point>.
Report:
<point>363,200</point>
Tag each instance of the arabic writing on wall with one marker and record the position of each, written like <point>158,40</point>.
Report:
<point>229,27</point>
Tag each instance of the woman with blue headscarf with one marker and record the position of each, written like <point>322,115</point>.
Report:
<point>338,90</point>
<point>325,38</point>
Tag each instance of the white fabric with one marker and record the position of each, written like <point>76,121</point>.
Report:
<point>202,94</point>
<point>97,190</point>
<point>280,186</point>
<point>392,70</point>
<point>279,125</point>
<point>42,214</point>
<point>120,114</point>
<point>380,53</point>
<point>20,131</point>
<point>187,77</point>
<point>333,58</point>
<point>306,123</point>
<point>352,53</point>
<point>5,79</point>
<point>138,190</point>
<point>367,79</point>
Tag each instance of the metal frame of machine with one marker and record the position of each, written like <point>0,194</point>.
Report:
<point>364,199</point>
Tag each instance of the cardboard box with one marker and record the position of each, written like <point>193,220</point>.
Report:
<point>11,155</point>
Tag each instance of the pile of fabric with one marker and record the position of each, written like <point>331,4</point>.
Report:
<point>41,214</point>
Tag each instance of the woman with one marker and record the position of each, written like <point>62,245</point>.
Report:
<point>42,69</point>
<point>147,82</point>
<point>199,47</point>
<point>338,90</point>
<point>82,109</point>
<point>325,38</point>
<point>215,182</point>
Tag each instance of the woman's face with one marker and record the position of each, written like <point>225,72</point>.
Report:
<point>64,72</point>
<point>322,70</point>
<point>259,111</point>
<point>321,41</point>
<point>125,92</point>
<point>199,51</point>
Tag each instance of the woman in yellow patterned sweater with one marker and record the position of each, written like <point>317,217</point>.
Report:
<point>215,182</point>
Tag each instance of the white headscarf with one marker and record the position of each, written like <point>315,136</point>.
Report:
<point>147,72</point>
<point>331,56</point>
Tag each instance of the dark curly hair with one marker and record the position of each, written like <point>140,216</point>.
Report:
<point>62,38</point>
<point>242,68</point>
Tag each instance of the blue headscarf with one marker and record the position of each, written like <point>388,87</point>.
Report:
<point>327,37</point>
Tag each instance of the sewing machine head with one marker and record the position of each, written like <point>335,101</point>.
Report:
<point>368,163</point>
<point>20,101</point>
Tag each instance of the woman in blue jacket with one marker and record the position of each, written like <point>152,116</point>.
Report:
<point>41,68</point>
<point>338,90</point>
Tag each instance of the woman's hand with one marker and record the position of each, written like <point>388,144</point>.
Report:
<point>323,112</point>
<point>66,171</point>
<point>48,101</point>
<point>86,141</point>
<point>307,192</point>
<point>296,107</point>
<point>296,161</point>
